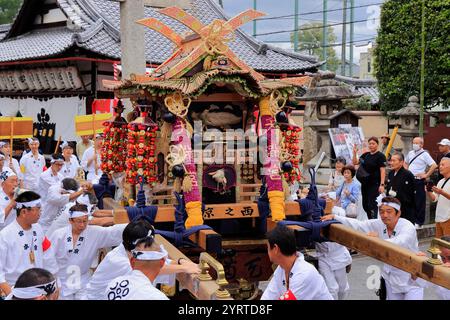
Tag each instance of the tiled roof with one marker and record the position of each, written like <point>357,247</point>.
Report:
<point>96,27</point>
<point>36,44</point>
<point>4,28</point>
<point>366,87</point>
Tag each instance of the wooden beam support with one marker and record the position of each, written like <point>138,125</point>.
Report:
<point>390,253</point>
<point>202,290</point>
<point>208,240</point>
<point>166,213</point>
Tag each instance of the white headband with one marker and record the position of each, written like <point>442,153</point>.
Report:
<point>3,143</point>
<point>6,174</point>
<point>65,144</point>
<point>391,204</point>
<point>31,140</point>
<point>77,214</point>
<point>30,204</point>
<point>149,235</point>
<point>150,255</point>
<point>35,291</point>
<point>56,160</point>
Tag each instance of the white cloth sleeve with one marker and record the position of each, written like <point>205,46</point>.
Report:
<point>109,236</point>
<point>55,198</point>
<point>428,159</point>
<point>3,257</point>
<point>84,160</point>
<point>363,226</point>
<point>272,292</point>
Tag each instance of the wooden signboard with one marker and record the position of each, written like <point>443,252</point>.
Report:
<point>16,128</point>
<point>91,124</point>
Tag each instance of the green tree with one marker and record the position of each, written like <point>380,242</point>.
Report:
<point>398,51</point>
<point>310,41</point>
<point>8,10</point>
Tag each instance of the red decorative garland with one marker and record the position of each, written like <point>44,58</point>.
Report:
<point>114,146</point>
<point>141,160</point>
<point>291,135</point>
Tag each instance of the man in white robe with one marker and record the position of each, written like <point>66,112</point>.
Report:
<point>75,248</point>
<point>333,262</point>
<point>51,176</point>
<point>32,165</point>
<point>71,165</point>
<point>91,161</point>
<point>10,163</point>
<point>23,244</point>
<point>117,262</point>
<point>392,228</point>
<point>8,183</point>
<point>58,196</point>
<point>147,260</point>
<point>294,277</point>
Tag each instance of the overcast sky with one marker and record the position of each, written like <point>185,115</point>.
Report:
<point>364,31</point>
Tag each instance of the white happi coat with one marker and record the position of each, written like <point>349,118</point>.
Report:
<point>52,205</point>
<point>70,257</point>
<point>305,282</point>
<point>91,176</point>
<point>115,264</point>
<point>334,255</point>
<point>4,202</point>
<point>46,180</point>
<point>404,235</point>
<point>15,166</point>
<point>70,168</point>
<point>133,286</point>
<point>15,245</point>
<point>32,168</point>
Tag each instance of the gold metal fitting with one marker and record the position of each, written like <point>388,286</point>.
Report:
<point>434,250</point>
<point>207,260</point>
<point>204,275</point>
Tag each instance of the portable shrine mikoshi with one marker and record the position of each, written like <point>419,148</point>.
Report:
<point>216,133</point>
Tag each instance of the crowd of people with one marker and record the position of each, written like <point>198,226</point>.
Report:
<point>51,230</point>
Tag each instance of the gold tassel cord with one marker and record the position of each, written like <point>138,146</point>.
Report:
<point>187,183</point>
<point>286,188</point>
<point>177,104</point>
<point>276,102</point>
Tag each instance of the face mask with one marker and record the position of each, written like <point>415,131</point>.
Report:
<point>416,147</point>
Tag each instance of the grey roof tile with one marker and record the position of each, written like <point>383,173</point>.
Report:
<point>100,23</point>
<point>367,87</point>
<point>36,44</point>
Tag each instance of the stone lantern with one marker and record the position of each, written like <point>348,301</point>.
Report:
<point>409,119</point>
<point>325,101</point>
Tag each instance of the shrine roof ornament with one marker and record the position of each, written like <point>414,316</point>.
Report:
<point>205,40</point>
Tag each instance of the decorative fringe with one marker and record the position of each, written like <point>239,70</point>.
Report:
<point>166,130</point>
<point>177,185</point>
<point>286,188</point>
<point>207,63</point>
<point>187,183</point>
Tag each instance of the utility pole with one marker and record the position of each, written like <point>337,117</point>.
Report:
<point>254,21</point>
<point>344,36</point>
<point>352,30</point>
<point>296,25</point>
<point>422,73</point>
<point>325,34</point>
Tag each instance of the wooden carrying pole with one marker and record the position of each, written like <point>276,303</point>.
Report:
<point>391,142</point>
<point>391,254</point>
<point>57,144</point>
